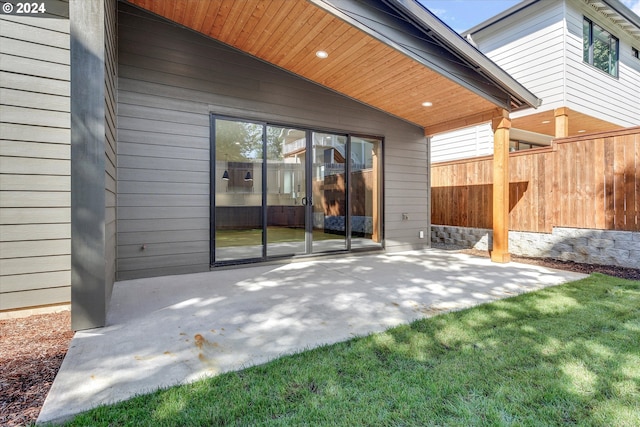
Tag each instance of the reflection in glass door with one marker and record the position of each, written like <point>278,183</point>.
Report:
<point>286,191</point>
<point>329,200</point>
<point>281,191</point>
<point>365,176</point>
<point>238,232</point>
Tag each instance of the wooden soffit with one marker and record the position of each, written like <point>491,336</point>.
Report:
<point>288,33</point>
<point>544,122</point>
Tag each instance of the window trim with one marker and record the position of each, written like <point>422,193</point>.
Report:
<point>590,42</point>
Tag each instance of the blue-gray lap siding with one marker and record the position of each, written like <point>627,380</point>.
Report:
<point>169,81</point>
<point>35,266</point>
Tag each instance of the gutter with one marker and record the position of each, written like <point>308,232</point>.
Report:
<point>499,17</point>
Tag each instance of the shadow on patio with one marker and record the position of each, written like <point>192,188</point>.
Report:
<point>175,329</point>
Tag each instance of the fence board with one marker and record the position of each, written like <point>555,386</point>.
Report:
<point>591,181</point>
<point>599,205</point>
<point>630,178</point>
<point>618,186</point>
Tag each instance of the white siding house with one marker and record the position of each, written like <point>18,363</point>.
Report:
<point>540,43</point>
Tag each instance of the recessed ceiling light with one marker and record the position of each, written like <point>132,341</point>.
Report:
<point>322,54</point>
<point>581,131</point>
<point>544,122</point>
<point>427,104</point>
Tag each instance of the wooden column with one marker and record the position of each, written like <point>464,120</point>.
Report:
<point>562,122</point>
<point>501,125</point>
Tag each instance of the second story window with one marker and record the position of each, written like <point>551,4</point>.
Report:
<point>634,53</point>
<point>600,48</point>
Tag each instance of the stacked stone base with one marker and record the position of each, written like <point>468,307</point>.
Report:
<point>605,247</point>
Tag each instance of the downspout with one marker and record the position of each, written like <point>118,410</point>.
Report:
<point>564,53</point>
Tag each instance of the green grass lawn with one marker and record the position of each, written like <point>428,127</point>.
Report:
<point>566,355</point>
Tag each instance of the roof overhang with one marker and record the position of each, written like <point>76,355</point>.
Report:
<point>620,14</point>
<point>617,12</point>
<point>393,55</point>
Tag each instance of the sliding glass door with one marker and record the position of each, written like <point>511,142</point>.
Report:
<point>285,191</point>
<point>365,177</point>
<point>328,180</point>
<point>238,208</point>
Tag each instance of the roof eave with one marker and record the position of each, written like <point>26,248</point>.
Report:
<point>624,12</point>
<point>616,5</point>
<point>499,17</point>
<point>525,98</point>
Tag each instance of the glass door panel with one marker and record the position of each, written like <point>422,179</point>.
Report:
<point>317,192</point>
<point>286,191</point>
<point>328,189</point>
<point>238,190</point>
<point>365,179</point>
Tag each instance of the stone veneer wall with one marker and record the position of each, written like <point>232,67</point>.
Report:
<point>606,247</point>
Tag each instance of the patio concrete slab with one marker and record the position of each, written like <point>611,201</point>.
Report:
<point>176,329</point>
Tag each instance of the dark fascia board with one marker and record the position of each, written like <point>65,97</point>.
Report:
<point>421,16</point>
<point>615,5</point>
<point>499,17</point>
<point>410,28</point>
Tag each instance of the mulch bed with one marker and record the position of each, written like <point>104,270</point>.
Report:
<point>610,270</point>
<point>31,352</point>
<point>32,348</point>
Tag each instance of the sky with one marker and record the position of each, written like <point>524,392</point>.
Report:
<point>462,15</point>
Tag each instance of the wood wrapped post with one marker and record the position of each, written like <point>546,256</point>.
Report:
<point>501,125</point>
<point>562,122</point>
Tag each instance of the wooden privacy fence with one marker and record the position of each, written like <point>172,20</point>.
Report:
<point>590,181</point>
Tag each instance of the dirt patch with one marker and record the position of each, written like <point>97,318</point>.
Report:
<point>31,352</point>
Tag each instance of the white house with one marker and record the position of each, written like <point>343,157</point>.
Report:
<point>579,56</point>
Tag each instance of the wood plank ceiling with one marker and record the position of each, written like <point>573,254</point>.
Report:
<point>288,33</point>
<point>544,123</point>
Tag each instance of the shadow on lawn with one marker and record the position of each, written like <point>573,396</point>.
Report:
<point>568,354</point>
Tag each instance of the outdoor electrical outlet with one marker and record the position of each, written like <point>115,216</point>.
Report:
<point>421,234</point>
<point>405,216</point>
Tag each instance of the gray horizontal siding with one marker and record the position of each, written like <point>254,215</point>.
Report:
<point>110,145</point>
<point>35,160</point>
<point>170,80</point>
<point>45,295</point>
<point>34,283</point>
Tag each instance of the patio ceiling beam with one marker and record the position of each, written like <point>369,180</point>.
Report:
<point>474,119</point>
